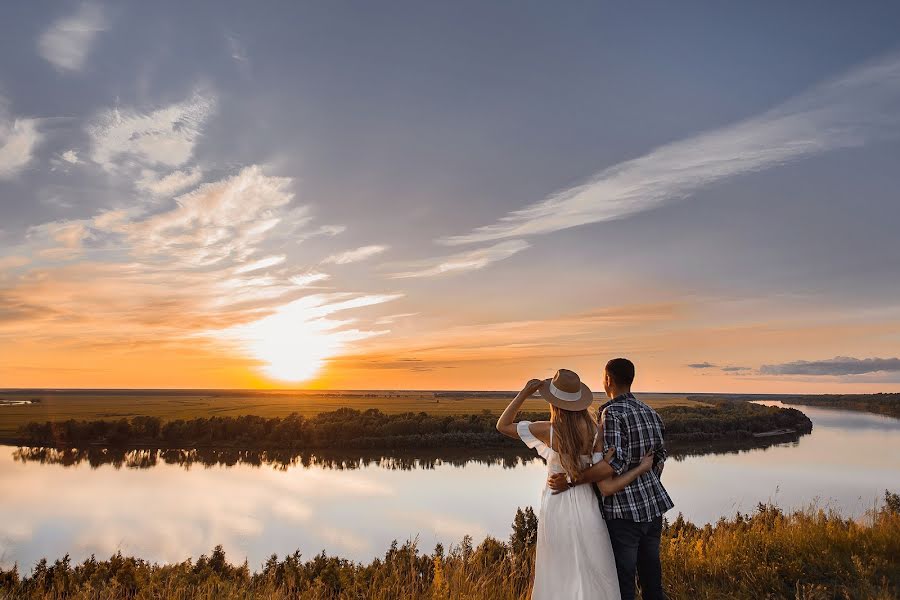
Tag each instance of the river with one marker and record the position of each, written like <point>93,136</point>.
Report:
<point>170,512</point>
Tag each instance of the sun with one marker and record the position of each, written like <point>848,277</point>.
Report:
<point>295,341</point>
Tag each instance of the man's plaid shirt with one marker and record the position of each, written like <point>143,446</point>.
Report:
<point>634,429</point>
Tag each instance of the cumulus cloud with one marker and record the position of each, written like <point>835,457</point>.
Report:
<point>355,255</point>
<point>462,262</point>
<point>170,184</point>
<point>68,40</point>
<point>846,112</point>
<point>70,156</point>
<point>839,365</point>
<point>703,365</point>
<point>18,140</point>
<point>163,137</point>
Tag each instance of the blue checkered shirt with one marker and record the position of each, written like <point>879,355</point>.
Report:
<point>633,429</point>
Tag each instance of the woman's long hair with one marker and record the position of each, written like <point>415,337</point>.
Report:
<point>573,434</point>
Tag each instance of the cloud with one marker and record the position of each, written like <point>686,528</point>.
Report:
<point>204,276</point>
<point>462,262</point>
<point>703,365</point>
<point>839,365</point>
<point>222,220</point>
<point>67,42</point>
<point>262,263</point>
<point>389,319</point>
<point>356,255</point>
<point>164,137</point>
<point>307,279</point>
<point>18,140</point>
<point>170,184</point>
<point>67,238</point>
<point>731,369</point>
<point>12,262</point>
<point>70,156</point>
<point>850,111</point>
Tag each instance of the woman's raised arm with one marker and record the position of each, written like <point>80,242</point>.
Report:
<point>506,423</point>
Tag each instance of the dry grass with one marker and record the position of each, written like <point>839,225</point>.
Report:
<point>808,555</point>
<point>189,404</point>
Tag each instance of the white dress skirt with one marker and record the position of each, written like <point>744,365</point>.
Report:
<point>574,555</point>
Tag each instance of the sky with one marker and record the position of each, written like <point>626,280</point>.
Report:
<point>450,196</point>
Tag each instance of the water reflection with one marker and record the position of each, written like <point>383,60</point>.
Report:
<point>395,460</point>
<point>279,459</point>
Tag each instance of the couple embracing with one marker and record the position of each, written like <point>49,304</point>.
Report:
<point>588,549</point>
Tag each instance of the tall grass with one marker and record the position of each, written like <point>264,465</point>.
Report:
<point>809,555</point>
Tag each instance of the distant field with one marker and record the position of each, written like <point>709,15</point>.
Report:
<point>89,405</point>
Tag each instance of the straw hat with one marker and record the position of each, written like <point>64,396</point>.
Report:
<point>566,391</point>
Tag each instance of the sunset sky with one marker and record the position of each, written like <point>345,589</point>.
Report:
<point>450,195</point>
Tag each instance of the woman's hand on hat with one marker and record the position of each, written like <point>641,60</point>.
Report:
<point>531,387</point>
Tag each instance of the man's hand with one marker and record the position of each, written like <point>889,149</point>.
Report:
<point>558,482</point>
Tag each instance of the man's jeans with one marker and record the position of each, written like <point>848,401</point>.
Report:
<point>636,547</point>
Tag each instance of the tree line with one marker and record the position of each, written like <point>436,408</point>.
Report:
<point>348,428</point>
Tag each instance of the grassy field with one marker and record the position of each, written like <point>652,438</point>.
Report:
<point>88,405</point>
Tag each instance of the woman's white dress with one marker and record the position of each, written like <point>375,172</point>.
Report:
<point>574,555</point>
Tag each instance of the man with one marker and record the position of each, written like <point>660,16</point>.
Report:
<point>633,516</point>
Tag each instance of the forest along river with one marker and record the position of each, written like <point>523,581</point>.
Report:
<point>169,512</point>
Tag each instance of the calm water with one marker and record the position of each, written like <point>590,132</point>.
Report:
<point>170,513</point>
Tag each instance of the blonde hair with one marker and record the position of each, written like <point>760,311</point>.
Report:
<point>573,432</point>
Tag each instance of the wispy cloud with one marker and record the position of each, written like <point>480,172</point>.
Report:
<point>839,365</point>
<point>703,365</point>
<point>164,137</point>
<point>66,238</point>
<point>258,265</point>
<point>170,184</point>
<point>355,255</point>
<point>221,220</point>
<point>389,319</point>
<point>849,111</point>
<point>18,140</point>
<point>68,40</point>
<point>462,262</point>
<point>307,279</point>
<point>735,369</point>
<point>208,267</point>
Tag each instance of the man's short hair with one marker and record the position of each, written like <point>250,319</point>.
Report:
<point>621,371</point>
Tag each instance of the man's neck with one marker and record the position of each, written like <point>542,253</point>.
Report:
<point>617,392</point>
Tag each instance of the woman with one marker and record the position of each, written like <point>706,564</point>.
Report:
<point>574,555</point>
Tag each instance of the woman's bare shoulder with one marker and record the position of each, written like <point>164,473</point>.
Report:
<point>540,430</point>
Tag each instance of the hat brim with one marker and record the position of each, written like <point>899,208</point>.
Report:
<point>586,399</point>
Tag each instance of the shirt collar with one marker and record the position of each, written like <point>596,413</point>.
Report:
<point>625,396</point>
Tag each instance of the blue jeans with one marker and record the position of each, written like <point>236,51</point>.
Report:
<point>636,548</point>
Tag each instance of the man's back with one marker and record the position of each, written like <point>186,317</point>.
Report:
<point>633,429</point>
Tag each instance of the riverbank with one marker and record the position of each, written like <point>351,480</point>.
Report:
<point>372,429</point>
<point>880,404</point>
<point>810,555</point>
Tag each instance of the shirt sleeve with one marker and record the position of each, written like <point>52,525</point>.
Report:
<point>661,453</point>
<point>522,428</point>
<point>614,437</point>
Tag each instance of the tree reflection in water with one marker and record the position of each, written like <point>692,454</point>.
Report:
<point>392,460</point>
